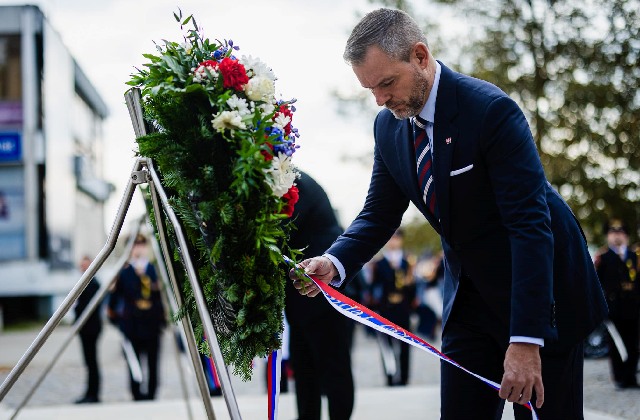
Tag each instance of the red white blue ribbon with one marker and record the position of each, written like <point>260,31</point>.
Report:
<point>273,382</point>
<point>211,374</point>
<point>365,316</point>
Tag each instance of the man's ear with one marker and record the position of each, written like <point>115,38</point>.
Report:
<point>421,53</point>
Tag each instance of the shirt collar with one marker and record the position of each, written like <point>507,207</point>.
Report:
<point>429,111</point>
<point>621,250</point>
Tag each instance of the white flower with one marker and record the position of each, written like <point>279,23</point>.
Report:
<point>200,74</point>
<point>260,89</point>
<point>281,121</point>
<point>267,108</point>
<point>238,104</point>
<point>281,175</point>
<point>257,67</point>
<point>228,120</point>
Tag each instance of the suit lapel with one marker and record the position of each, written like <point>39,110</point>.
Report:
<point>445,134</point>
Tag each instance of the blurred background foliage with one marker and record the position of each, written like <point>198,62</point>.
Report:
<point>572,67</point>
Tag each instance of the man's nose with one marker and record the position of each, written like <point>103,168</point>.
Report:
<point>381,96</point>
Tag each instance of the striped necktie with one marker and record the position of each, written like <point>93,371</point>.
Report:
<point>424,164</point>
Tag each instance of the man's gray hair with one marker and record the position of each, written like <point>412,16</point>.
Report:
<point>394,31</point>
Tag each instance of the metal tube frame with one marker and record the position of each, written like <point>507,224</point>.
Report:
<point>168,303</point>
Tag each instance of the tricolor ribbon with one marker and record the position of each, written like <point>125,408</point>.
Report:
<point>212,375</point>
<point>273,382</point>
<point>366,316</point>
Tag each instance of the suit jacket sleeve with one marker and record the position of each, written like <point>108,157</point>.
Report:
<point>380,217</point>
<point>519,184</point>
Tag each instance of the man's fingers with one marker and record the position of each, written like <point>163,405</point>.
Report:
<point>525,396</point>
<point>504,392</point>
<point>539,388</point>
<point>292,272</point>
<point>321,268</point>
<point>516,396</point>
<point>314,266</point>
<point>520,394</point>
<point>306,288</point>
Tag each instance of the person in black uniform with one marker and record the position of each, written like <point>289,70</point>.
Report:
<point>393,277</point>
<point>89,334</point>
<point>136,306</point>
<point>319,335</point>
<point>616,266</point>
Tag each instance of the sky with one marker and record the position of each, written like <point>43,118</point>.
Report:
<point>301,41</point>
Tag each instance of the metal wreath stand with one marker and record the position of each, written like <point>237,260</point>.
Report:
<point>143,173</point>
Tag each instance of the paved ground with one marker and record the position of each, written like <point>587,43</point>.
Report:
<point>65,383</point>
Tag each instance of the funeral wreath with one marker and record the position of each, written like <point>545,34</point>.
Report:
<point>223,145</point>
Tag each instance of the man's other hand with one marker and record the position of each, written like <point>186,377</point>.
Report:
<point>321,268</point>
<point>522,374</point>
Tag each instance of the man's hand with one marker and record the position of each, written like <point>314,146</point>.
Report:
<point>320,268</point>
<point>522,374</point>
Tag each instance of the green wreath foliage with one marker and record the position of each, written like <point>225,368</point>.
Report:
<point>220,180</point>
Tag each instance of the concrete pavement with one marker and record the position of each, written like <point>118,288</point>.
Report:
<point>420,400</point>
<point>412,403</point>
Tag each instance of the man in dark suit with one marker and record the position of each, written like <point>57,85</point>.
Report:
<point>89,334</point>
<point>521,292</point>
<point>318,335</point>
<point>616,267</point>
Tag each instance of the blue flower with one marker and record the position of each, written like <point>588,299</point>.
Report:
<point>220,53</point>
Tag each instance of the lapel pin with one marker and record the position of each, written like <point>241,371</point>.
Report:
<point>448,140</point>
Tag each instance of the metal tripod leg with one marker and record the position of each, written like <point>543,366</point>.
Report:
<point>223,374</point>
<point>168,303</point>
<point>77,289</point>
<point>93,304</point>
<point>187,334</point>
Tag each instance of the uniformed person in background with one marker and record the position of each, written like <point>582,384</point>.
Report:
<point>135,305</point>
<point>617,269</point>
<point>394,295</point>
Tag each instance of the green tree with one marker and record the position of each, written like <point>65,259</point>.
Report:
<point>419,237</point>
<point>572,67</point>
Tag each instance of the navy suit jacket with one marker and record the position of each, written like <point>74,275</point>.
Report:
<point>502,225</point>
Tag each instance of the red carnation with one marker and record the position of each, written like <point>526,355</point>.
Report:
<point>234,74</point>
<point>292,197</point>
<point>209,63</point>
